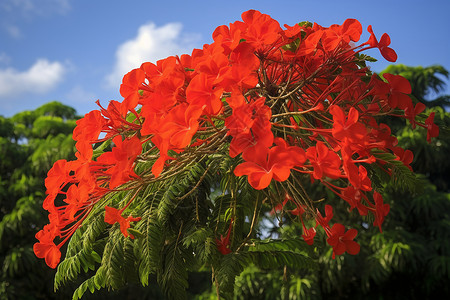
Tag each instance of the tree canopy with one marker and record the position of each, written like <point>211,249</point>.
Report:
<point>216,174</point>
<point>263,124</point>
<point>30,142</point>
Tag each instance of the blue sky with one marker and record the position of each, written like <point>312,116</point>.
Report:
<point>76,51</point>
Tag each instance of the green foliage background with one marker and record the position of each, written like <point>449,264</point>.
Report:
<point>410,259</point>
<point>30,142</point>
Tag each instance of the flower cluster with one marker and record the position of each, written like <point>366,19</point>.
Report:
<point>289,102</point>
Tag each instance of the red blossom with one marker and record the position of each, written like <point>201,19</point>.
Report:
<point>432,129</point>
<point>349,31</point>
<point>201,92</point>
<point>381,210</point>
<point>347,126</point>
<point>223,243</point>
<point>411,113</point>
<point>89,127</point>
<point>266,164</point>
<point>342,241</point>
<point>281,103</point>
<point>180,125</point>
<point>46,248</point>
<point>114,215</point>
<point>119,162</point>
<point>323,221</point>
<point>308,235</point>
<point>405,156</point>
<point>354,197</point>
<point>388,53</point>
<point>325,162</point>
<point>262,29</point>
<point>399,90</point>
<point>129,89</point>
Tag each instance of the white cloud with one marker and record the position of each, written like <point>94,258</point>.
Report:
<point>79,95</point>
<point>35,7</point>
<point>13,12</point>
<point>4,58</point>
<point>13,31</point>
<point>152,43</point>
<point>38,79</point>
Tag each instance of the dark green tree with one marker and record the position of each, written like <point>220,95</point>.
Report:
<point>30,142</point>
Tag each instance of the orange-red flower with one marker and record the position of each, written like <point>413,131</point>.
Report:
<point>349,31</point>
<point>347,126</point>
<point>223,243</point>
<point>46,248</point>
<point>180,125</point>
<point>399,90</point>
<point>114,215</point>
<point>325,162</point>
<point>388,53</point>
<point>353,197</point>
<point>129,89</point>
<point>260,91</point>
<point>265,164</point>
<point>201,92</point>
<point>308,235</point>
<point>119,162</point>
<point>432,129</point>
<point>262,29</point>
<point>381,210</point>
<point>342,241</point>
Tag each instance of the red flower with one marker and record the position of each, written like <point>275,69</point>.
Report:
<point>349,31</point>
<point>347,126</point>
<point>242,119</point>
<point>46,248</point>
<point>280,206</point>
<point>211,61</point>
<point>120,161</point>
<point>308,235</point>
<point>89,127</point>
<point>381,210</point>
<point>432,129</point>
<point>228,37</point>
<point>57,177</point>
<point>262,29</point>
<point>324,161</point>
<point>411,113</point>
<point>405,156</point>
<point>181,124</point>
<point>298,211</point>
<point>250,127</point>
<point>323,221</point>
<point>342,241</point>
<point>129,89</point>
<point>292,31</point>
<point>399,90</point>
<point>113,215</point>
<point>266,164</point>
<point>388,53</point>
<point>353,197</point>
<point>242,73</point>
<point>223,243</point>
<point>201,92</point>
<point>357,175</point>
<point>262,169</point>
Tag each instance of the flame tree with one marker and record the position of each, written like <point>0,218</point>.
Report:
<point>180,174</point>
